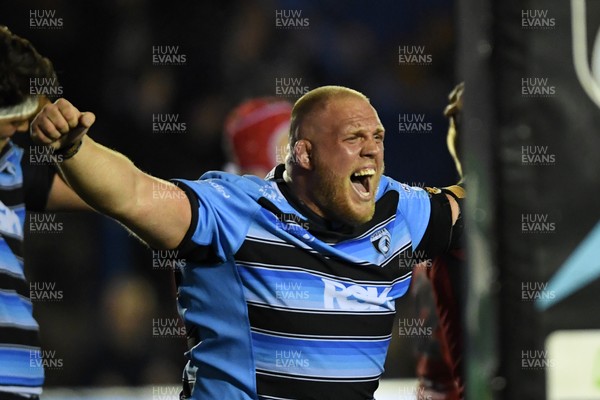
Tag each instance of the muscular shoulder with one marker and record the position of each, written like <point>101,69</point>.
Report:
<point>404,191</point>
<point>224,185</point>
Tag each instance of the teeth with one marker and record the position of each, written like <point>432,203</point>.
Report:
<point>365,172</point>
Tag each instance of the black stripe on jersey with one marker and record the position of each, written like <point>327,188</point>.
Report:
<point>14,283</point>
<point>328,231</point>
<point>336,338</point>
<point>290,268</point>
<point>12,196</point>
<point>252,251</point>
<point>8,188</point>
<point>10,396</point>
<point>11,336</point>
<point>320,324</point>
<point>438,235</point>
<point>305,248</point>
<point>376,227</point>
<point>314,388</point>
<point>373,229</point>
<point>276,242</point>
<point>395,256</point>
<point>316,378</point>
<point>319,311</point>
<point>15,244</point>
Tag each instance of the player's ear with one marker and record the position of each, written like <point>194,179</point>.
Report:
<point>301,152</point>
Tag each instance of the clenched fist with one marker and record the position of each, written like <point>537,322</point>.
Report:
<point>59,124</point>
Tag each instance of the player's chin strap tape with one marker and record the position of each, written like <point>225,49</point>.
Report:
<point>193,338</point>
<point>186,393</point>
<point>456,191</point>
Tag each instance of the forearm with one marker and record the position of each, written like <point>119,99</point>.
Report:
<point>105,179</point>
<point>155,210</point>
<point>62,198</point>
<point>113,185</point>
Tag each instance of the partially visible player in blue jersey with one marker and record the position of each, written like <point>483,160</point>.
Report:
<point>290,281</point>
<point>23,186</point>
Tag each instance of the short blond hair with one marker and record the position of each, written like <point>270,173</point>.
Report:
<point>316,99</point>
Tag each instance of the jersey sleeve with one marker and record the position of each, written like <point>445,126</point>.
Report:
<point>37,182</point>
<point>429,219</point>
<point>438,235</point>
<point>415,207</point>
<point>222,210</point>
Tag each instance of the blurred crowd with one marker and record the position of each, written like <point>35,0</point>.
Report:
<point>228,51</point>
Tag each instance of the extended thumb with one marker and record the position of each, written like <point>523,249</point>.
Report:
<point>86,119</point>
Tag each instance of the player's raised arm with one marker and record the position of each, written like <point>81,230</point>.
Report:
<point>155,210</point>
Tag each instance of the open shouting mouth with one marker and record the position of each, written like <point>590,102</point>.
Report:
<point>362,182</point>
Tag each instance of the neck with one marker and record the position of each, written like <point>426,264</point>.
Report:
<point>296,188</point>
<point>298,185</point>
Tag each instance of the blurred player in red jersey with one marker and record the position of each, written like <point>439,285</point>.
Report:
<point>256,135</point>
<point>437,287</point>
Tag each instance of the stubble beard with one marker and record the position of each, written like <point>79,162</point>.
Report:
<point>331,195</point>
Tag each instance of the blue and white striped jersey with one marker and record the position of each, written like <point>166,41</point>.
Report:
<point>283,304</point>
<point>21,369</point>
<point>18,328</point>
